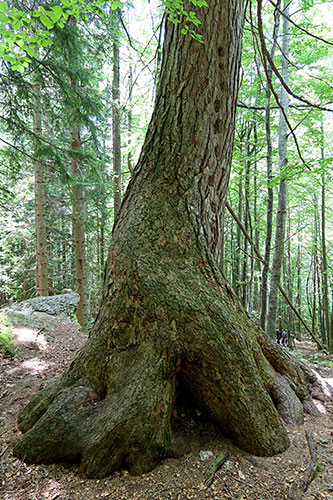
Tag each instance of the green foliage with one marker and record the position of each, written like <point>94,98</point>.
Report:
<point>318,470</point>
<point>324,362</point>
<point>177,13</point>
<point>7,345</point>
<point>22,33</point>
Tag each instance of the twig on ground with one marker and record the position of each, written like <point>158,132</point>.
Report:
<point>39,332</point>
<point>311,470</point>
<point>217,464</point>
<point>256,463</point>
<point>3,452</point>
<point>242,482</point>
<point>329,488</point>
<point>2,395</point>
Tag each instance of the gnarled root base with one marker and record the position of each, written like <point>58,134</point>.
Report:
<point>129,426</point>
<point>114,406</point>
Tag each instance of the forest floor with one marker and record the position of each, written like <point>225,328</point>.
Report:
<point>46,354</point>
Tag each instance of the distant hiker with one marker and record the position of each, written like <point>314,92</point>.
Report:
<point>278,336</point>
<point>284,337</point>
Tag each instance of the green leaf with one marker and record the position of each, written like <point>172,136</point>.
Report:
<point>115,4</point>
<point>48,23</point>
<point>3,18</point>
<point>20,14</point>
<point>58,9</point>
<point>20,43</point>
<point>10,59</point>
<point>56,13</point>
<point>98,10</point>
<point>3,7</point>
<point>30,51</point>
<point>16,23</point>
<point>45,43</point>
<point>18,67</point>
<point>26,23</point>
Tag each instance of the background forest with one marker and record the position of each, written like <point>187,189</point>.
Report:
<point>72,122</point>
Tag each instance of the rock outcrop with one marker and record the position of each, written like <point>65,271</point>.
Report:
<point>44,312</point>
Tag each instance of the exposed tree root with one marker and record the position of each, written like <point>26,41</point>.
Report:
<point>114,406</point>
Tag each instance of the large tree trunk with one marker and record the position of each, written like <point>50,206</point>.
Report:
<point>169,324</point>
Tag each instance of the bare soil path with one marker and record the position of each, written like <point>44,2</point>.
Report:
<point>44,355</point>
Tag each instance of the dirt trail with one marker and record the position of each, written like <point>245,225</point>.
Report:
<point>46,354</point>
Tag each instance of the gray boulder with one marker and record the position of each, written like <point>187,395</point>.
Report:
<point>55,305</point>
<point>44,312</point>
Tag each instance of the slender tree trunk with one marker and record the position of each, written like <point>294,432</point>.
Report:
<point>290,279</point>
<point>78,207</point>
<point>282,196</point>
<point>130,123</point>
<point>102,240</point>
<point>41,244</point>
<point>315,290</point>
<point>326,329</point>
<point>237,280</point>
<point>169,326</point>
<point>299,283</point>
<point>330,334</point>
<point>257,267</point>
<point>116,141</point>
<point>245,279</point>
<point>269,163</point>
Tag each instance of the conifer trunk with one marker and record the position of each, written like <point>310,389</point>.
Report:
<point>169,324</point>
<point>79,232</point>
<point>78,229</point>
<point>41,244</point>
<point>116,138</point>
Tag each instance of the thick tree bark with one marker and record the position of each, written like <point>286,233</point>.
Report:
<point>169,324</point>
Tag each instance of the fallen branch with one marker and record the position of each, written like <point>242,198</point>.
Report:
<point>217,464</point>
<point>310,472</point>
